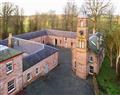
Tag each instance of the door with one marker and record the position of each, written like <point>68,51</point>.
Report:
<point>55,42</point>
<point>46,68</point>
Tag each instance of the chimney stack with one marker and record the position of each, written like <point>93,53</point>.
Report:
<point>10,40</point>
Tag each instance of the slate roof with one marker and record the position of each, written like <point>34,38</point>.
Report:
<point>62,33</point>
<point>4,42</point>
<point>32,35</point>
<point>32,59</point>
<point>8,53</point>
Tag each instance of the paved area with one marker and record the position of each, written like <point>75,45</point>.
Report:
<point>61,80</point>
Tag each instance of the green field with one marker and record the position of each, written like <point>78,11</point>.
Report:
<point>107,80</point>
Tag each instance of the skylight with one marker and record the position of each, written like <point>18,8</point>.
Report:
<point>2,47</point>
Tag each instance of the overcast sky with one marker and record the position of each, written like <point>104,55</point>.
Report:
<point>32,6</point>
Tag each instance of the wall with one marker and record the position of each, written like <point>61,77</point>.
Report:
<point>61,41</point>
<point>16,75</point>
<point>51,61</point>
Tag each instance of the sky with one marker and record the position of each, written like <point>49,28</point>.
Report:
<point>42,6</point>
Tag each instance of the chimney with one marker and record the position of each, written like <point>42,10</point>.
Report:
<point>10,40</point>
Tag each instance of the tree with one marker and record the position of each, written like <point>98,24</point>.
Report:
<point>70,17</point>
<point>109,46</point>
<point>6,11</point>
<point>117,47</point>
<point>94,9</point>
<point>52,19</point>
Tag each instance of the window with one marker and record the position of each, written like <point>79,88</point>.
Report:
<point>81,44</point>
<point>11,86</point>
<point>81,33</point>
<point>28,77</point>
<point>9,67</point>
<point>55,41</point>
<point>37,71</point>
<point>65,39</point>
<point>91,59</point>
<point>81,23</point>
<point>60,41</point>
<point>71,43</point>
<point>75,64</point>
<point>91,70</point>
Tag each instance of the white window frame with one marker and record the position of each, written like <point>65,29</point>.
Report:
<point>11,85</point>
<point>10,62</point>
<point>29,78</point>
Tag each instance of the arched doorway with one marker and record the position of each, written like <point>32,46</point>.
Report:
<point>55,42</point>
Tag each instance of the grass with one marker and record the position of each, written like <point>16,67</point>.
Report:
<point>107,80</point>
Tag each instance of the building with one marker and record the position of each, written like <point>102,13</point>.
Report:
<point>88,54</point>
<point>25,57</point>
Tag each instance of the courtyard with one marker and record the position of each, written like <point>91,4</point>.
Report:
<point>61,80</point>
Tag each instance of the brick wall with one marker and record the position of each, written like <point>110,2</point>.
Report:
<point>15,75</point>
<point>51,62</point>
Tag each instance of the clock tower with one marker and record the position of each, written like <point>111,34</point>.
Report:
<point>80,52</point>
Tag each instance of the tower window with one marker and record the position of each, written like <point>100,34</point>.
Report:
<point>81,24</point>
<point>81,33</point>
<point>91,69</point>
<point>91,59</point>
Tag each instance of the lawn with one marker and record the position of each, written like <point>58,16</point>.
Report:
<point>107,80</point>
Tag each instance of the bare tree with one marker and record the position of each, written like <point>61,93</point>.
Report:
<point>6,11</point>
<point>94,9</point>
<point>70,16</point>
<point>52,19</point>
<point>117,46</point>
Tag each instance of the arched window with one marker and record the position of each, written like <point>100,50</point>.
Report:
<point>81,23</point>
<point>91,59</point>
<point>81,33</point>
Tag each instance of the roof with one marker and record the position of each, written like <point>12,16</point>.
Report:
<point>6,53</point>
<point>32,35</point>
<point>62,33</point>
<point>33,59</point>
<point>93,41</point>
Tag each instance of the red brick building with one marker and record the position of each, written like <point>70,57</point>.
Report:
<point>31,55</point>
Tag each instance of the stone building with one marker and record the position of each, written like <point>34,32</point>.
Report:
<point>25,57</point>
